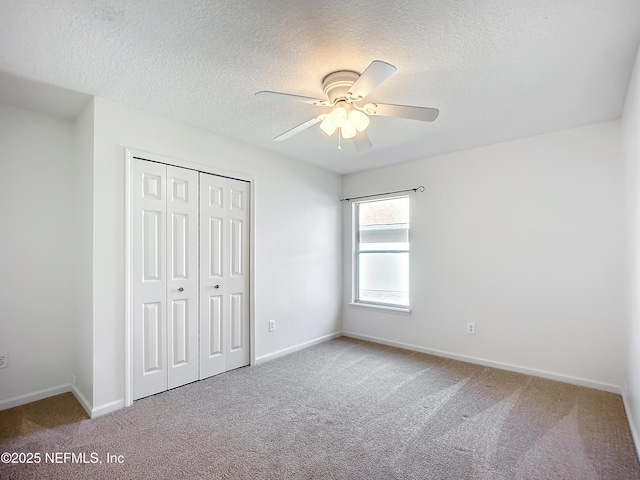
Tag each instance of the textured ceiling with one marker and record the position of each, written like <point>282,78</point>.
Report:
<point>496,69</point>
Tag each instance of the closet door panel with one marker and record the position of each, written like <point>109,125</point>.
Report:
<point>237,281</point>
<point>149,282</point>
<point>182,281</point>
<point>214,321</point>
<point>214,305</point>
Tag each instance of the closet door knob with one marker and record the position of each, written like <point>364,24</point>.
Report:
<point>181,289</point>
<point>216,286</point>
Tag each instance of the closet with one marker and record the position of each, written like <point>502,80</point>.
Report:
<point>190,276</point>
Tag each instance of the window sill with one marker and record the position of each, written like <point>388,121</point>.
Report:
<point>382,308</point>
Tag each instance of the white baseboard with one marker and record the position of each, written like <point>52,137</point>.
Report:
<point>300,346</point>
<point>82,400</point>
<point>107,408</point>
<point>630,419</point>
<point>93,412</point>
<point>34,396</point>
<point>583,382</point>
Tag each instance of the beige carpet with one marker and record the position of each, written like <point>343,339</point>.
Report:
<point>344,409</point>
<point>41,415</point>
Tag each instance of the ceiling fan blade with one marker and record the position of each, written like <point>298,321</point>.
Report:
<point>424,114</point>
<point>362,142</point>
<point>299,128</point>
<point>294,98</point>
<point>376,73</point>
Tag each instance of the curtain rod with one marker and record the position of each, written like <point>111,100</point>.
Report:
<point>417,189</point>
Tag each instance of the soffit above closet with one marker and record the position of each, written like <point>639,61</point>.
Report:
<point>496,69</point>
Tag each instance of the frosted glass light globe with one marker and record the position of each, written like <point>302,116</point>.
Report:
<point>359,120</point>
<point>348,129</point>
<point>327,126</point>
<point>338,116</point>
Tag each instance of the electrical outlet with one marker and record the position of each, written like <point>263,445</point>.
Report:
<point>4,360</point>
<point>272,325</point>
<point>471,328</point>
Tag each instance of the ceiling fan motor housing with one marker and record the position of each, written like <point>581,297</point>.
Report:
<point>337,84</point>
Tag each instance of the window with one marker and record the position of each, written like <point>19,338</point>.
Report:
<point>381,270</point>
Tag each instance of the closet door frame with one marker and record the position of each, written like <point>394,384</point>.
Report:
<point>130,155</point>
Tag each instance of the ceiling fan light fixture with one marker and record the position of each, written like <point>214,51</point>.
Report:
<point>359,120</point>
<point>344,90</point>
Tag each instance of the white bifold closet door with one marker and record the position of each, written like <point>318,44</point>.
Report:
<point>224,274</point>
<point>165,277</point>
<point>190,315</point>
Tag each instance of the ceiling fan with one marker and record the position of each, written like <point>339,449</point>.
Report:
<point>346,91</point>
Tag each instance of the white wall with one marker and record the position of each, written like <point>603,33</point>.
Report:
<point>631,141</point>
<point>523,238</point>
<point>36,253</point>
<point>298,242</point>
<point>83,255</point>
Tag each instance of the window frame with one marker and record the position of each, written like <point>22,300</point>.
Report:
<point>355,259</point>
